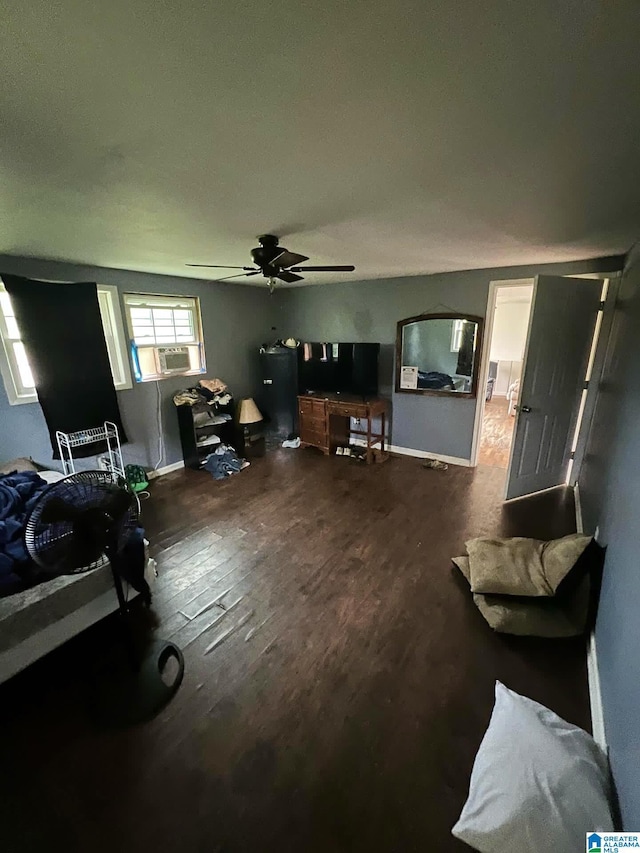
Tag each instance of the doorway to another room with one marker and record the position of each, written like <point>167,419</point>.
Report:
<point>544,354</point>
<point>506,355</point>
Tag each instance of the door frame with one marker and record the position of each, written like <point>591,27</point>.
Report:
<point>486,351</point>
<point>596,372</point>
<point>598,361</point>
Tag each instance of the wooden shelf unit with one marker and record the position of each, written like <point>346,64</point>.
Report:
<point>193,435</point>
<point>325,423</point>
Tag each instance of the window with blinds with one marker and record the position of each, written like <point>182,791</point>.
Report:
<point>159,322</point>
<point>163,321</point>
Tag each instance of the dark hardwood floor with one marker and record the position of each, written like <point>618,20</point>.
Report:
<point>338,677</point>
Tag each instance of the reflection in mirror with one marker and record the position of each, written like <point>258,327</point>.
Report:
<point>438,354</point>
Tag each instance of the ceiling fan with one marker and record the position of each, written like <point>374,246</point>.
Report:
<point>275,263</point>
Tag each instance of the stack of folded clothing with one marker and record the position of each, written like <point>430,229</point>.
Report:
<point>530,587</point>
<point>208,393</point>
<point>215,391</point>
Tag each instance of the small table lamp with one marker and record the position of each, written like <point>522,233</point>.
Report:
<point>248,415</point>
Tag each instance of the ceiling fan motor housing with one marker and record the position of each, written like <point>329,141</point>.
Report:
<point>268,249</point>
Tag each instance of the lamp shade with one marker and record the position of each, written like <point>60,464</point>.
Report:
<point>249,412</point>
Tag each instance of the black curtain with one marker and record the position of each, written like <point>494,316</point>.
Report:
<point>465,353</point>
<point>61,328</point>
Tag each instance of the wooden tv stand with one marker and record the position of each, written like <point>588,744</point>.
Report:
<point>325,423</point>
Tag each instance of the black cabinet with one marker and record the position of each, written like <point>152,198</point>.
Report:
<point>279,393</point>
<point>202,431</point>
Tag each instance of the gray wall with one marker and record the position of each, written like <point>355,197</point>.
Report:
<point>610,495</point>
<point>369,311</point>
<point>235,319</point>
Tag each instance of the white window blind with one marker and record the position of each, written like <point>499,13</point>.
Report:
<point>162,320</point>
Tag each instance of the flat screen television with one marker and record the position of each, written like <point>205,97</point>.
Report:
<point>338,368</point>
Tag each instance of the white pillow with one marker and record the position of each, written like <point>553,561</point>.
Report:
<point>51,476</point>
<point>538,783</point>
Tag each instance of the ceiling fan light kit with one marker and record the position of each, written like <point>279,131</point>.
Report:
<point>275,263</point>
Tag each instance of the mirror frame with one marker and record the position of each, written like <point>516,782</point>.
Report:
<point>474,318</point>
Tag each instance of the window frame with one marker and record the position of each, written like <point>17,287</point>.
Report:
<point>165,300</point>
<point>456,335</point>
<point>118,350</point>
<point>115,338</point>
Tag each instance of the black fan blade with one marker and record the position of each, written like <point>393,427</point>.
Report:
<point>239,275</point>
<point>219,267</point>
<point>115,504</point>
<point>57,509</point>
<point>119,503</point>
<point>289,277</point>
<point>323,269</point>
<point>288,259</point>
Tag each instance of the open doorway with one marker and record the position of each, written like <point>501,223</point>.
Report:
<point>506,355</point>
<point>550,407</point>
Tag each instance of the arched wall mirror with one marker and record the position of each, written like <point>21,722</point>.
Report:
<point>439,354</point>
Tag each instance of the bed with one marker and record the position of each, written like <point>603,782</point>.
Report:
<point>38,619</point>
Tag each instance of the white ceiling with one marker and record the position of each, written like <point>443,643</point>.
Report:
<point>407,137</point>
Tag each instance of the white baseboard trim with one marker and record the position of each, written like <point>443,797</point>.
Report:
<point>593,673</point>
<point>167,469</point>
<point>425,454</point>
<point>419,454</point>
<point>595,695</point>
<point>576,500</point>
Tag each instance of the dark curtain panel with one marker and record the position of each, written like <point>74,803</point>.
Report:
<point>62,332</point>
<point>465,353</point>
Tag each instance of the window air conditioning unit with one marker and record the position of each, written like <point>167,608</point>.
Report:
<point>173,359</point>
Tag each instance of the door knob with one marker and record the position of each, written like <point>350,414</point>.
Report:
<point>525,409</point>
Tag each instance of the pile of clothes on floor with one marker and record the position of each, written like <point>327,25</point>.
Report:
<point>224,462</point>
<point>529,587</point>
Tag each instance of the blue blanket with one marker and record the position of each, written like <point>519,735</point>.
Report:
<point>434,379</point>
<point>18,494</point>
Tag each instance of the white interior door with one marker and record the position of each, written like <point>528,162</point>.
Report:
<point>563,317</point>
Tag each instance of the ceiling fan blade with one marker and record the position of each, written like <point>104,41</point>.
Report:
<point>289,277</point>
<point>238,275</point>
<point>288,259</point>
<point>343,268</point>
<point>218,267</point>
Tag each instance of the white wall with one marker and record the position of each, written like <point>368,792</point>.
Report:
<point>509,337</point>
<point>510,331</point>
<point>508,373</point>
